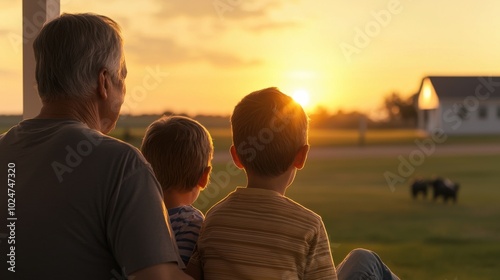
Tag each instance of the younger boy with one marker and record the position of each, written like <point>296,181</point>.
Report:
<point>256,232</point>
<point>180,151</point>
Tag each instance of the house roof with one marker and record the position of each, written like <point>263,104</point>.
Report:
<point>464,86</point>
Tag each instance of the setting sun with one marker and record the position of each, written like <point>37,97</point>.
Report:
<point>302,97</point>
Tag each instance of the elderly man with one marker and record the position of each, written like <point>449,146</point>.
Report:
<point>80,204</point>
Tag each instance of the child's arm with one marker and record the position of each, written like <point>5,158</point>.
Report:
<point>194,267</point>
<point>319,263</point>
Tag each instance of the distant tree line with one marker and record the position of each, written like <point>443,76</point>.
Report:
<point>399,112</point>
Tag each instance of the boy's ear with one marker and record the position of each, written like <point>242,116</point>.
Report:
<point>300,157</point>
<point>236,158</point>
<point>203,182</point>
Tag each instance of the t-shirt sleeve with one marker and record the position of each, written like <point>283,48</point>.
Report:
<point>195,266</point>
<point>137,226</point>
<point>319,264</point>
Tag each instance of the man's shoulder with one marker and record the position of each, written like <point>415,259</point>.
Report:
<point>104,148</point>
<point>109,145</point>
<point>65,132</point>
<point>117,145</point>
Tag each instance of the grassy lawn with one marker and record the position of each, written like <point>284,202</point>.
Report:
<point>417,239</point>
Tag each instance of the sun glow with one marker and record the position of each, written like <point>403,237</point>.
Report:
<point>302,97</point>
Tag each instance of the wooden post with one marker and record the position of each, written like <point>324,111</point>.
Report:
<point>35,14</point>
<point>362,130</point>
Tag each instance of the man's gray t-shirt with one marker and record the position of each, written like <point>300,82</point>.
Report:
<point>87,206</point>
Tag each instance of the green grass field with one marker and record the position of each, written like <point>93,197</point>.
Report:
<point>417,239</point>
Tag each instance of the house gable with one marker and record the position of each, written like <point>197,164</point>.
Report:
<point>460,105</point>
<point>427,98</point>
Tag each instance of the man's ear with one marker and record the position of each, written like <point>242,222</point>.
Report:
<point>236,158</point>
<point>301,157</point>
<point>203,182</point>
<point>102,84</point>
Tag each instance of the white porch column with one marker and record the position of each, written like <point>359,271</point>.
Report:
<point>35,14</point>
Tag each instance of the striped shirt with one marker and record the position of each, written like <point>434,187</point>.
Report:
<point>186,223</point>
<point>261,234</point>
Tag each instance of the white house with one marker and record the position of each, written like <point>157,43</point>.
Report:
<point>459,104</point>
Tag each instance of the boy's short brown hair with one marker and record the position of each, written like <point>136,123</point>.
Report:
<point>268,129</point>
<point>179,149</point>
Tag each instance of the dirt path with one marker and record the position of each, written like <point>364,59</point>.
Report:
<point>390,151</point>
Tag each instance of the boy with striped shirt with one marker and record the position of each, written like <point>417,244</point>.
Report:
<point>180,151</point>
<point>257,232</point>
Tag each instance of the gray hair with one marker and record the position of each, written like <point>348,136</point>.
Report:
<point>71,50</point>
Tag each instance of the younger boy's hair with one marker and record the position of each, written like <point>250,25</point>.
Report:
<point>179,149</point>
<point>268,129</point>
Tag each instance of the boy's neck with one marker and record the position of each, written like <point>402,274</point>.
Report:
<point>277,183</point>
<point>173,198</point>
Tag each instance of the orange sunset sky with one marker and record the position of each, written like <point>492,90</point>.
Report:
<point>202,56</point>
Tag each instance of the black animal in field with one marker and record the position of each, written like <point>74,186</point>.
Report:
<point>445,188</point>
<point>419,186</point>
<point>441,187</point>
